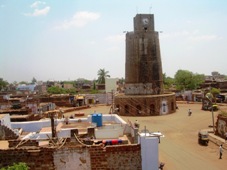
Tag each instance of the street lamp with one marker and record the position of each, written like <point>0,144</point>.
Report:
<point>209,96</point>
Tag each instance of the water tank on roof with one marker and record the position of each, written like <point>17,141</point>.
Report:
<point>97,118</point>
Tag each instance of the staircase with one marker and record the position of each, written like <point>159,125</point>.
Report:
<point>7,133</point>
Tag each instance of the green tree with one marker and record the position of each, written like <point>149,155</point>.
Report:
<point>167,81</point>
<point>102,74</point>
<point>122,80</point>
<point>34,80</point>
<point>186,80</point>
<point>214,92</point>
<point>56,90</point>
<point>17,166</point>
<point>71,91</point>
<point>94,86</point>
<point>3,84</point>
<point>23,82</point>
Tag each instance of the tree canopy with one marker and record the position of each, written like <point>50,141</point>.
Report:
<point>22,82</point>
<point>34,80</point>
<point>167,81</point>
<point>17,166</point>
<point>214,91</point>
<point>3,83</point>
<point>102,74</point>
<point>186,80</point>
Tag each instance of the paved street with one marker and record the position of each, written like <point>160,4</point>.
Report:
<point>179,149</point>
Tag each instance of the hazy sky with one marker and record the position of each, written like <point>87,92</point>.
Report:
<point>71,39</point>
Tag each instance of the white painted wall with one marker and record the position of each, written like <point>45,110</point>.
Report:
<point>111,84</point>
<point>31,126</point>
<point>36,126</point>
<point>149,152</point>
<point>107,131</point>
<point>5,120</point>
<point>107,134</point>
<point>72,159</point>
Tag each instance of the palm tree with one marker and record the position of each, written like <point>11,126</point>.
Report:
<point>102,74</point>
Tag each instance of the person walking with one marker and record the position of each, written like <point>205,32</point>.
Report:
<point>136,124</point>
<point>220,152</point>
<point>225,136</point>
<point>189,112</point>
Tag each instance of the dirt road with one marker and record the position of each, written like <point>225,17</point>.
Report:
<point>179,149</point>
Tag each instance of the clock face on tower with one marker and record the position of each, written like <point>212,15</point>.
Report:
<point>145,21</point>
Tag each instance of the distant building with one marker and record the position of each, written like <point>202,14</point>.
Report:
<point>41,89</point>
<point>24,87</point>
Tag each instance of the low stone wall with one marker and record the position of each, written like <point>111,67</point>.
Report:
<point>217,140</point>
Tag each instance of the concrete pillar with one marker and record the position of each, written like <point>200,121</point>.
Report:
<point>74,131</point>
<point>91,132</point>
<point>136,130</point>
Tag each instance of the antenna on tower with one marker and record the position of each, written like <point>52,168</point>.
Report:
<point>150,9</point>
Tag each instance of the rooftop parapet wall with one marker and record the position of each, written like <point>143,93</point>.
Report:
<point>72,158</point>
<point>75,157</point>
<point>35,126</point>
<point>116,157</point>
<point>19,143</point>
<point>36,159</point>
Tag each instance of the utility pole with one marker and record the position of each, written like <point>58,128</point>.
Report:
<point>209,96</point>
<point>52,115</point>
<point>112,101</point>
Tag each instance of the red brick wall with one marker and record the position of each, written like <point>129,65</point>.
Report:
<point>14,143</point>
<point>126,157</point>
<point>116,157</point>
<point>36,159</point>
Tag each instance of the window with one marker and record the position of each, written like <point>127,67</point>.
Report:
<point>152,109</point>
<point>126,109</point>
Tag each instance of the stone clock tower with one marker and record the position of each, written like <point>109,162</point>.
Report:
<point>144,94</point>
<point>143,68</point>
